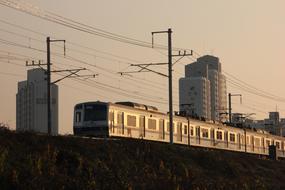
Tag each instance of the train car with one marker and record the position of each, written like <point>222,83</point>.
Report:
<point>133,120</point>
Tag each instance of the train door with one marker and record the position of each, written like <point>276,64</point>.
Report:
<point>239,140</point>
<point>120,123</point>
<point>179,132</point>
<point>161,129</point>
<point>227,139</point>
<point>198,134</point>
<point>111,122</point>
<point>212,136</point>
<point>142,126</point>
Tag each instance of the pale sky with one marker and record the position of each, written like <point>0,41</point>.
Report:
<point>247,36</point>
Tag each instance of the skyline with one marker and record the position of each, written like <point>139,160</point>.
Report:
<point>247,49</point>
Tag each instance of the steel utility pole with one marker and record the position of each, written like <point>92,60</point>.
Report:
<point>72,74</point>
<point>144,68</point>
<point>49,82</point>
<point>170,84</point>
<point>169,32</point>
<point>230,105</point>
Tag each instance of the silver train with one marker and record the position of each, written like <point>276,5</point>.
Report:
<point>127,119</point>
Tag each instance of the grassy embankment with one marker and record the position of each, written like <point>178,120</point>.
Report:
<point>30,161</point>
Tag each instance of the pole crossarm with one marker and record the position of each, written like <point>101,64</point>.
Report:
<point>182,56</point>
<point>159,32</point>
<point>72,73</point>
<point>64,49</point>
<point>84,76</point>
<point>68,70</point>
<point>150,70</point>
<point>131,72</point>
<point>230,105</point>
<point>144,68</point>
<point>148,64</point>
<point>33,64</point>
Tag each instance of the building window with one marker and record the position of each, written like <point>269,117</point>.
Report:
<point>232,137</point>
<point>131,120</point>
<point>219,135</point>
<point>205,133</point>
<point>152,124</point>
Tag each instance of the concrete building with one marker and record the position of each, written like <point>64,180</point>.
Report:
<point>209,68</point>
<point>195,96</point>
<point>31,104</point>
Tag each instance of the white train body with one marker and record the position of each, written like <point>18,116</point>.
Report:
<point>138,121</point>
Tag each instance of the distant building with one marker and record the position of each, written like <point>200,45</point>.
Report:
<point>194,96</point>
<point>273,124</point>
<point>274,117</point>
<point>205,68</point>
<point>31,104</point>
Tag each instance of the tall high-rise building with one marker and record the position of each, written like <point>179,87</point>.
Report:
<point>31,103</point>
<point>194,95</point>
<point>205,68</point>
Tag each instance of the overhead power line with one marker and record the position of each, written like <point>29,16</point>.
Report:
<point>143,81</point>
<point>67,22</point>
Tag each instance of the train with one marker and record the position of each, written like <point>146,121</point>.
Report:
<point>134,120</point>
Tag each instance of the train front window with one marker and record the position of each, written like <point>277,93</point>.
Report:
<point>78,117</point>
<point>95,113</point>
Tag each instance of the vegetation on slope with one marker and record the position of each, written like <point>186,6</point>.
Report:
<point>30,161</point>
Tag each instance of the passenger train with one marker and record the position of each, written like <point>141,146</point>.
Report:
<point>133,120</point>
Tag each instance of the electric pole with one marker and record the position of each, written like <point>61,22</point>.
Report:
<point>49,82</point>
<point>48,71</point>
<point>144,68</point>
<point>169,33</point>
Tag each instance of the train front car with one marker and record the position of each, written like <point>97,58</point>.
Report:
<point>91,119</point>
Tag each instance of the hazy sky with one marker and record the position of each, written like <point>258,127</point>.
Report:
<point>247,36</point>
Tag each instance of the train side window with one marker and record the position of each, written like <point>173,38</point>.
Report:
<point>111,116</point>
<point>179,127</point>
<point>120,119</point>
<point>257,142</point>
<point>152,124</point>
<point>131,120</point>
<point>219,135</point>
<point>161,123</point>
<point>192,131</point>
<point>78,117</point>
<point>185,130</point>
<point>278,145</point>
<point>267,144</point>
<point>167,127</point>
<point>198,131</point>
<point>142,122</point>
<point>248,140</point>
<point>232,137</point>
<point>205,133</point>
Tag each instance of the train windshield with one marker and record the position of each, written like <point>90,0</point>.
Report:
<point>95,112</point>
